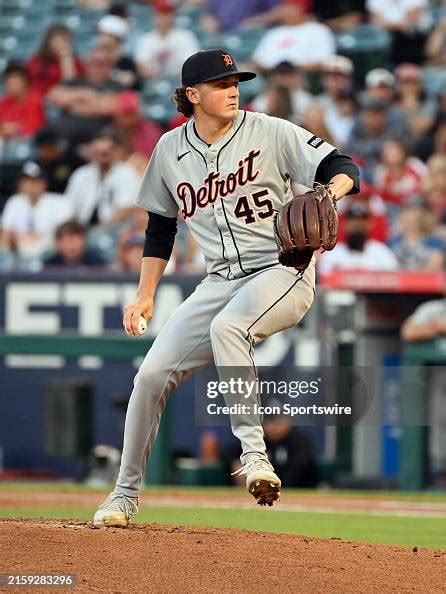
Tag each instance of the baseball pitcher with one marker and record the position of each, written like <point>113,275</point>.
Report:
<point>229,172</point>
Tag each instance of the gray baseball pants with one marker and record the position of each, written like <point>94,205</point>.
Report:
<point>222,320</point>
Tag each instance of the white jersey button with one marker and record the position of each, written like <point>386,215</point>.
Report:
<point>227,241</point>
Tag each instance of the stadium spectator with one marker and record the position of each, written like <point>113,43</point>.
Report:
<point>439,144</point>
<point>71,250</point>
<point>112,32</point>
<point>299,40</point>
<point>427,323</point>
<point>373,126</point>
<point>102,191</point>
<point>21,111</point>
<point>378,227</point>
<point>86,104</point>
<point>55,60</point>
<point>31,216</point>
<point>380,84</point>
<point>435,50</point>
<point>408,21</point>
<point>341,15</point>
<point>398,176</point>
<point>233,14</point>
<point>286,76</point>
<point>434,186</point>
<point>434,141</point>
<point>337,100</point>
<point>357,251</point>
<point>278,102</point>
<point>130,251</point>
<point>139,134</point>
<point>413,101</point>
<point>55,159</point>
<point>418,246</point>
<point>314,120</point>
<point>162,51</point>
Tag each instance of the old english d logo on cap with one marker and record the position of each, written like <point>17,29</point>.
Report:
<point>211,64</point>
<point>228,60</point>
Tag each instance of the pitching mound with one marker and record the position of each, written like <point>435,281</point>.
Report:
<point>155,558</point>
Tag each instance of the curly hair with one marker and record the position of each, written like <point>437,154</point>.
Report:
<point>184,106</point>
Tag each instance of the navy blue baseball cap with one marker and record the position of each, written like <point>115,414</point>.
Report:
<point>211,64</point>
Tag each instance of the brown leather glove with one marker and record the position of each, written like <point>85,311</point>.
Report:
<point>306,223</point>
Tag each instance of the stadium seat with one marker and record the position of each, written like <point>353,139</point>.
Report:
<point>14,7</point>
<point>65,4</point>
<point>7,260</point>
<point>242,43</point>
<point>11,23</point>
<point>367,46</point>
<point>161,111</point>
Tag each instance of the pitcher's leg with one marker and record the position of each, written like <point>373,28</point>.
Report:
<point>271,301</point>
<point>156,379</point>
<point>181,347</point>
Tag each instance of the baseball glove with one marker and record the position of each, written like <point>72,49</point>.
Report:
<point>306,223</point>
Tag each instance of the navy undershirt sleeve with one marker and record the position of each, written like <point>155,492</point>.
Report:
<point>333,164</point>
<point>160,236</point>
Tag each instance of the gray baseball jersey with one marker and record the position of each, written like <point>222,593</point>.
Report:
<point>228,192</point>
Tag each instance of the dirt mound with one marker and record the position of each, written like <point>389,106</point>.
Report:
<point>155,558</point>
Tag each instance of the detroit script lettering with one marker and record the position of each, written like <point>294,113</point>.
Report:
<point>214,188</point>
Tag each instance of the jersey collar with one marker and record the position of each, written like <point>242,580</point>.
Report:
<point>200,144</point>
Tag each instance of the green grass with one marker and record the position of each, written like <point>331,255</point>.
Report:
<point>71,487</point>
<point>406,531</point>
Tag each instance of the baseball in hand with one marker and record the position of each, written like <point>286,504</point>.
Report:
<point>142,326</point>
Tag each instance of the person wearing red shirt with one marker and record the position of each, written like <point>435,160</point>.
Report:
<point>21,110</point>
<point>378,227</point>
<point>399,175</point>
<point>54,61</point>
<point>139,134</point>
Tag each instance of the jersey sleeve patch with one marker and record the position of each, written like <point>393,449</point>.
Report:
<point>315,142</point>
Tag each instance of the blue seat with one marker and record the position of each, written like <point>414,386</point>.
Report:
<point>11,23</point>
<point>242,43</point>
<point>367,46</point>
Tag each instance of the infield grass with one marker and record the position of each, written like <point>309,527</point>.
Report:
<point>406,531</point>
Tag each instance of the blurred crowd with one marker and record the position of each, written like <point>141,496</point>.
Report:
<point>78,125</point>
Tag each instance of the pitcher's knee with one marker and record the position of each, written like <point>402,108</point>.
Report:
<point>224,326</point>
<point>155,378</point>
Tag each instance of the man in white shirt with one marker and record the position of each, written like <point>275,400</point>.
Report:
<point>161,52</point>
<point>31,216</point>
<point>358,252</point>
<point>102,192</point>
<point>408,21</point>
<point>298,40</point>
<point>337,100</point>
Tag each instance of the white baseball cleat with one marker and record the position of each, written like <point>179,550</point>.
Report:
<point>116,511</point>
<point>261,481</point>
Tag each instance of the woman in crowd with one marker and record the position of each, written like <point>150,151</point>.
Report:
<point>398,176</point>
<point>55,60</point>
<point>412,99</point>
